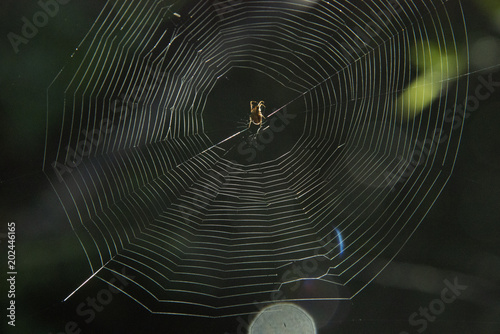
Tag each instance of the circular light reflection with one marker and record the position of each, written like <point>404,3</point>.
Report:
<point>283,318</point>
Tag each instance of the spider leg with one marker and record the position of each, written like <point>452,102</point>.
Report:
<point>258,130</point>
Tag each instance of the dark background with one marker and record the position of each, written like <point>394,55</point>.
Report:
<point>458,238</point>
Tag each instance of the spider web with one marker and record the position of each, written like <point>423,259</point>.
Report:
<point>158,172</point>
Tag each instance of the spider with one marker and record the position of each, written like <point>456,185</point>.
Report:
<point>256,115</point>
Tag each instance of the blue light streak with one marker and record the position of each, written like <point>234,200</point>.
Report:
<point>341,241</point>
